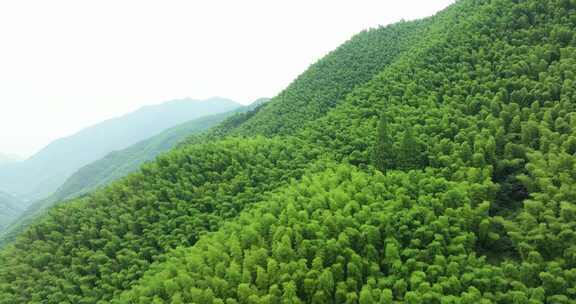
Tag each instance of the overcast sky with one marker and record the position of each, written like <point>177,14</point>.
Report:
<point>65,65</point>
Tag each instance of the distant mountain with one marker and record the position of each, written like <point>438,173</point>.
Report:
<point>43,173</point>
<point>9,209</point>
<point>120,163</point>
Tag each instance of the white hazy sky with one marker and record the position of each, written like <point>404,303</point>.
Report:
<point>68,64</point>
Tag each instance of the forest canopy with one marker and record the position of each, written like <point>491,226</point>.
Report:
<point>430,161</point>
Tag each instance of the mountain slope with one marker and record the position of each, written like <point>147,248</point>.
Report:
<point>44,172</point>
<point>117,165</point>
<point>207,195</point>
<point>9,209</point>
<point>475,137</point>
<point>142,216</point>
<point>325,84</point>
<point>319,240</point>
<point>121,163</point>
<point>471,128</point>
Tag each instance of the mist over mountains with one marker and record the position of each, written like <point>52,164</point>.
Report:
<point>10,208</point>
<point>42,173</point>
<point>113,166</point>
<point>429,161</point>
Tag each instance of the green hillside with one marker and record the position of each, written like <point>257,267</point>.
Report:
<point>338,236</point>
<point>325,84</point>
<point>115,165</point>
<point>105,283</point>
<point>120,163</point>
<point>438,170</point>
<point>9,209</point>
<point>40,175</point>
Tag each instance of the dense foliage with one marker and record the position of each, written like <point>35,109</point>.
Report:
<point>115,165</point>
<point>445,176</point>
<point>340,236</point>
<point>325,83</point>
<point>120,163</point>
<point>56,280</point>
<point>90,248</point>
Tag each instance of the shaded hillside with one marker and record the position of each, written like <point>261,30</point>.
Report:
<point>447,177</point>
<point>142,216</point>
<point>118,276</point>
<point>473,132</point>
<point>45,171</point>
<point>118,164</point>
<point>10,208</point>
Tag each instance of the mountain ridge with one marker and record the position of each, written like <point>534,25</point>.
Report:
<point>9,208</point>
<point>117,164</point>
<point>43,172</point>
<point>444,176</point>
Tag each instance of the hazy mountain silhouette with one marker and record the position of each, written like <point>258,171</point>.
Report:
<point>45,171</point>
